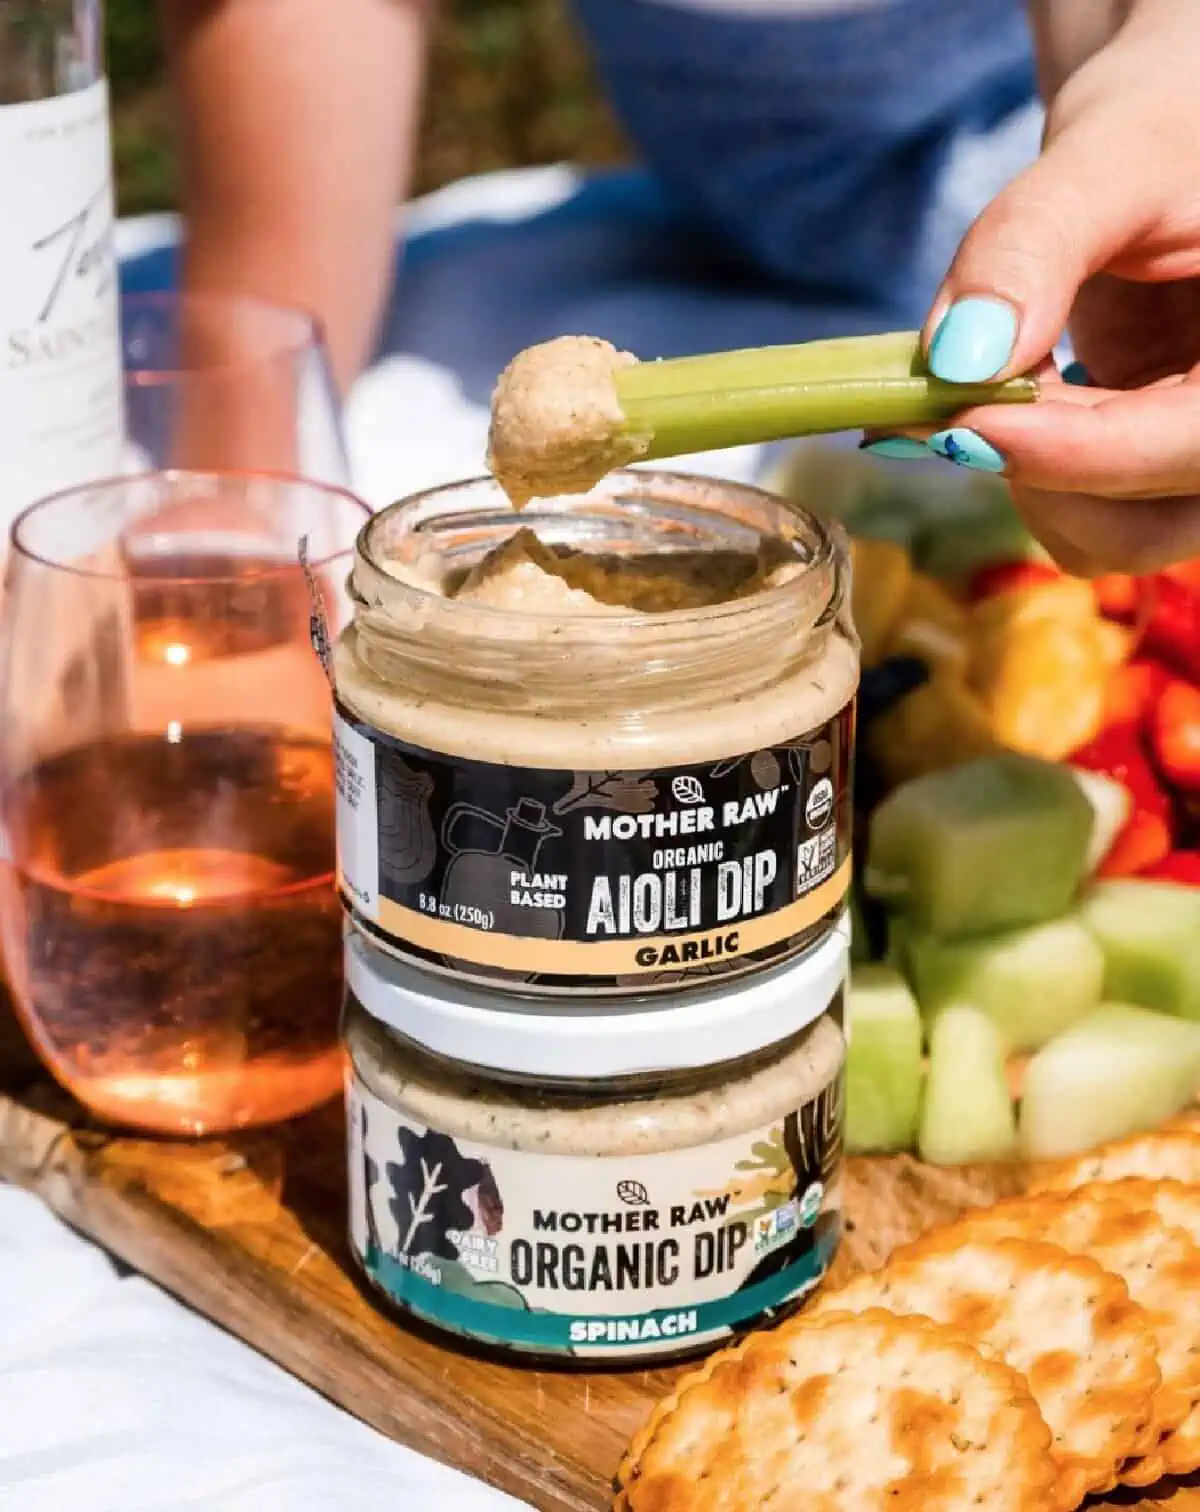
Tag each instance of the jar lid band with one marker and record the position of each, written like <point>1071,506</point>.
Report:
<point>695,1028</point>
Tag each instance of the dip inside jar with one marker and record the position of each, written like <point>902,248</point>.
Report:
<point>641,1188</point>
<point>604,744</point>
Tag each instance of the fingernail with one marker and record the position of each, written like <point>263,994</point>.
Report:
<point>968,449</point>
<point>974,341</point>
<point>1075,373</point>
<point>896,446</point>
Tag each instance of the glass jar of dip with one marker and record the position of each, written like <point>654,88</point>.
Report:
<point>628,1180</point>
<point>603,745</point>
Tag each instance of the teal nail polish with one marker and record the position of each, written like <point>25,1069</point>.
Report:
<point>967,449</point>
<point>1077,375</point>
<point>896,446</point>
<point>974,341</point>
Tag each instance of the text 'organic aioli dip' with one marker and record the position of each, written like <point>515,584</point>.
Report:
<point>610,1183</point>
<point>607,751</point>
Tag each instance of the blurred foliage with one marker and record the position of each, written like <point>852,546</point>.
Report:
<point>509,84</point>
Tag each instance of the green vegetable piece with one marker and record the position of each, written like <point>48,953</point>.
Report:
<point>967,1114</point>
<point>1112,803</point>
<point>992,844</point>
<point>1120,1070</point>
<point>1033,983</point>
<point>990,531</point>
<point>1150,935</point>
<point>883,1063</point>
<point>720,399</point>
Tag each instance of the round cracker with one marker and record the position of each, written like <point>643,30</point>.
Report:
<point>867,1413</point>
<point>1159,1263</point>
<point>1178,1204</point>
<point>1068,1326</point>
<point>1170,1155</point>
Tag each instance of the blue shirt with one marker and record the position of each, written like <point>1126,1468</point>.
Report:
<point>812,146</point>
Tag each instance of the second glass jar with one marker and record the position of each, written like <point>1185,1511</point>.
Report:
<point>620,764</point>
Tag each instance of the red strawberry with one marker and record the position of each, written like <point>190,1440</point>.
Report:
<point>1175,731</point>
<point>1118,752</point>
<point>1143,843</point>
<point>1172,632</point>
<point>1180,866</point>
<point>1119,596</point>
<point>1133,691</point>
<point>1009,577</point>
<point>1187,573</point>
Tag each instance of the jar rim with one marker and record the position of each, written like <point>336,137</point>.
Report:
<point>825,537</point>
<point>690,1030</point>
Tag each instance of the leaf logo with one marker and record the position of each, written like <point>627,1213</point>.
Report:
<point>687,789</point>
<point>634,1193</point>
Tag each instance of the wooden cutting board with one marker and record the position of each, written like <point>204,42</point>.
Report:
<point>248,1230</point>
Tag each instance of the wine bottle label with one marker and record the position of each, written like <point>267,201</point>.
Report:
<point>60,363</point>
<point>614,879</point>
<point>594,1256</point>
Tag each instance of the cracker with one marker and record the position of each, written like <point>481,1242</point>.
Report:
<point>1178,1205</point>
<point>1171,1155</point>
<point>1068,1326</point>
<point>1159,1263</point>
<point>870,1413</point>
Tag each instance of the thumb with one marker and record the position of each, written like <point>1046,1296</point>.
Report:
<point>1008,294</point>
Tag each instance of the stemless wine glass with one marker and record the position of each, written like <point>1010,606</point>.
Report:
<point>224,382</point>
<point>168,917</point>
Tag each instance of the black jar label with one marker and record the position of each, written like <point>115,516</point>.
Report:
<point>622,880</point>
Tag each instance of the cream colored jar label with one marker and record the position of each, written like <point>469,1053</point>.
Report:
<point>594,1256</point>
<point>618,879</point>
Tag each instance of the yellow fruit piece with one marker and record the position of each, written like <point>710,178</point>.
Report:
<point>933,626</point>
<point>1042,685</point>
<point>1116,643</point>
<point>882,573</point>
<point>939,725</point>
<point>1065,599</point>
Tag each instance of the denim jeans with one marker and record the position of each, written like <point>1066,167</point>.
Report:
<point>813,147</point>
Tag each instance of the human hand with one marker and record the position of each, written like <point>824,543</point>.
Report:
<point>1102,236</point>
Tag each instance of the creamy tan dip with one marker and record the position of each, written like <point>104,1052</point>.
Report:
<point>780,697</point>
<point>557,425</point>
<point>680,1111</point>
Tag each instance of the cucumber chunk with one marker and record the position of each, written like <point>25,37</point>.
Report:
<point>989,531</point>
<point>883,1063</point>
<point>1150,935</point>
<point>1112,808</point>
<point>1033,983</point>
<point>995,843</point>
<point>1120,1070</point>
<point>967,1114</point>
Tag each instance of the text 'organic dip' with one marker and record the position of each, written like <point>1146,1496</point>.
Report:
<point>600,1184</point>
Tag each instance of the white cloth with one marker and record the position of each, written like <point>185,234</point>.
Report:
<point>114,1398</point>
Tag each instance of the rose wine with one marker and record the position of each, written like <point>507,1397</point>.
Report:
<point>60,363</point>
<point>173,936</point>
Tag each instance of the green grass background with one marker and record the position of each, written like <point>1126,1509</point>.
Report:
<point>509,85</point>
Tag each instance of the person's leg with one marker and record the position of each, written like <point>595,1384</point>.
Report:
<point>814,143</point>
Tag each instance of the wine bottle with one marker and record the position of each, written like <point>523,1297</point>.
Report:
<point>60,363</point>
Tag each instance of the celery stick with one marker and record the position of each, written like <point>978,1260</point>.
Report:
<point>706,421</point>
<point>896,354</point>
<point>571,410</point>
<point>814,388</point>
